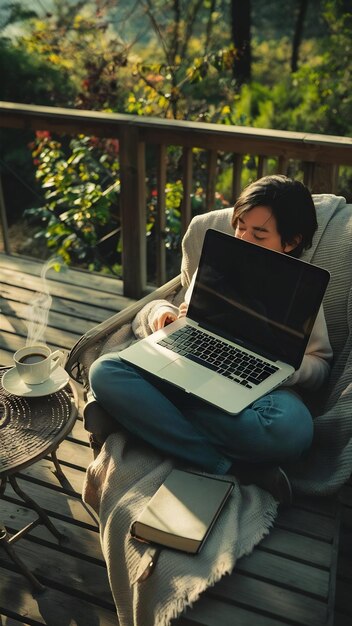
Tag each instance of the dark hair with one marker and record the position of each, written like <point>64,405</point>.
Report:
<point>292,206</point>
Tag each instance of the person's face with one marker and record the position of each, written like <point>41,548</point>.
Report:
<point>258,225</point>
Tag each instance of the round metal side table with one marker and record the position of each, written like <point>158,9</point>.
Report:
<point>31,428</point>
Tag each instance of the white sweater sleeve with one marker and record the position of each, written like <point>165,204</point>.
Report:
<point>144,322</point>
<point>315,366</point>
<point>157,311</point>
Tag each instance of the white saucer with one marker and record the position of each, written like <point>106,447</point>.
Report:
<point>14,384</point>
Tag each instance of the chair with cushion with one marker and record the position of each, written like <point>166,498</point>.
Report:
<point>292,571</point>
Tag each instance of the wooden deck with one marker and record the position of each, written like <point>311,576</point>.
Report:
<point>291,563</point>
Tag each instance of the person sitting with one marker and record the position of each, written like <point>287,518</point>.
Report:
<point>278,213</point>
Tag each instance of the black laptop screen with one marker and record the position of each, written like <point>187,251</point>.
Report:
<point>264,300</point>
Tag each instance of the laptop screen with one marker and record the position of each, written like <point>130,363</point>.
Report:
<point>264,300</point>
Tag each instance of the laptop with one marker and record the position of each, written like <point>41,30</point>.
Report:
<point>248,323</point>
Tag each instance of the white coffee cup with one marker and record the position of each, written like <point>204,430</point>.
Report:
<point>35,364</point>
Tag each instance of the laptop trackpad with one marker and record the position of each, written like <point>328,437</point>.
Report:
<point>185,375</point>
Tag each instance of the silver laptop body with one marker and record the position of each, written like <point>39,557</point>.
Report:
<point>248,323</point>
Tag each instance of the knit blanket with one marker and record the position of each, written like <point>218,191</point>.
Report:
<point>118,485</point>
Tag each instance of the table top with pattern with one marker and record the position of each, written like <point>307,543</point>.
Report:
<point>30,428</point>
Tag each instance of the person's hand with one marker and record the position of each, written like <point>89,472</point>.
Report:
<point>183,308</point>
<point>165,318</point>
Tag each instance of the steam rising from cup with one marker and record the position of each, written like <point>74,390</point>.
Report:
<point>38,309</point>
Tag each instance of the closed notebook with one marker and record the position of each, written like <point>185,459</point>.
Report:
<point>183,511</point>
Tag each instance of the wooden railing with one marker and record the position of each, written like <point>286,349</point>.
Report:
<point>320,157</point>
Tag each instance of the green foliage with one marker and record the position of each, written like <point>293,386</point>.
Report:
<point>12,12</point>
<point>67,59</point>
<point>26,78</point>
<point>176,64</point>
<point>173,200</point>
<point>30,79</point>
<point>172,233</point>
<point>316,98</point>
<point>81,185</point>
<point>179,73</point>
<point>75,41</point>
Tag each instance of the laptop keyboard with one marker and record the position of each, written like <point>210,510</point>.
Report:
<point>219,356</point>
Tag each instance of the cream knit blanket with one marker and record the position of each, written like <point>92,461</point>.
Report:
<point>118,485</point>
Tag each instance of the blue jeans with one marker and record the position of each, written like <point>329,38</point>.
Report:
<point>276,428</point>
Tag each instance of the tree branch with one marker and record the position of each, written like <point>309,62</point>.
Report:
<point>189,27</point>
<point>155,25</point>
<point>209,26</point>
<point>297,37</point>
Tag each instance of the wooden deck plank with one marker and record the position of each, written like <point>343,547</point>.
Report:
<point>76,292</point>
<point>79,541</point>
<point>52,607</point>
<point>324,506</point>
<point>43,472</point>
<point>285,572</point>
<point>305,523</point>
<point>284,583</point>
<point>55,568</point>
<point>34,268</point>
<point>73,455</point>
<point>344,569</point>
<point>17,327</point>
<point>269,599</point>
<point>79,301</point>
<point>60,321</point>
<point>212,612</point>
<point>57,504</point>
<point>298,547</point>
<point>78,561</point>
<point>9,621</point>
<point>82,311</point>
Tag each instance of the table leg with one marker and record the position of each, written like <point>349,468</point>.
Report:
<point>32,504</point>
<point>3,485</point>
<point>4,541</point>
<point>59,471</point>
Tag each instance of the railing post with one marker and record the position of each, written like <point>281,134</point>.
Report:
<point>187,178</point>
<point>282,165</point>
<point>212,163</point>
<point>161,216</point>
<point>133,211</point>
<point>262,167</point>
<point>308,168</point>
<point>237,164</point>
<point>324,178</point>
<point>3,221</point>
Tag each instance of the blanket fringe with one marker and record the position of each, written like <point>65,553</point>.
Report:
<point>224,567</point>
